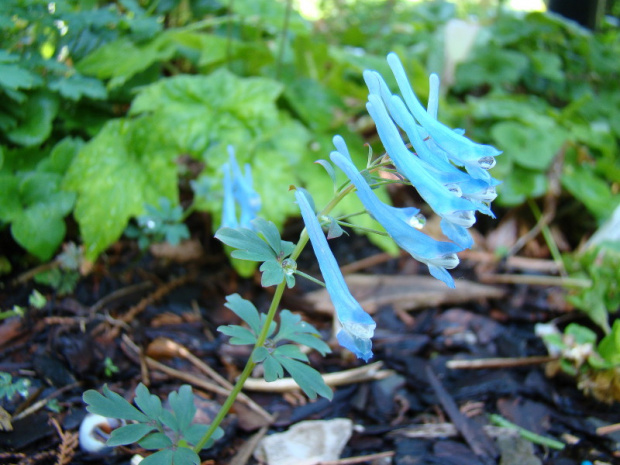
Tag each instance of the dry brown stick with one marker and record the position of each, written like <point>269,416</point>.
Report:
<point>210,372</point>
<point>119,294</point>
<point>472,432</point>
<point>244,453</point>
<point>195,380</point>
<point>482,363</point>
<point>134,311</point>
<point>359,458</point>
<point>608,429</point>
<point>535,280</point>
<point>355,375</point>
<point>367,262</point>
<point>539,265</point>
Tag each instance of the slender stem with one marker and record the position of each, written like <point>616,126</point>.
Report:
<point>310,278</point>
<point>362,228</point>
<point>287,19</point>
<point>247,371</point>
<point>262,337</point>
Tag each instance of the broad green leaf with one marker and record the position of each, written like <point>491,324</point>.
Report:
<point>40,228</point>
<point>111,404</point>
<point>10,205</point>
<point>35,126</point>
<point>609,347</point>
<point>129,434</point>
<point>182,403</point>
<point>590,190</point>
<point>77,86</point>
<point>532,147</point>
<point>308,379</point>
<point>127,165</point>
<point>150,404</point>
<point>245,310</point>
<point>15,77</point>
<point>122,59</point>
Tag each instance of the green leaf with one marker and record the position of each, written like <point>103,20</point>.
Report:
<point>273,274</point>
<point>260,354</point>
<point>110,404</point>
<point>37,115</point>
<point>293,328</point>
<point>130,163</point>
<point>532,147</point>
<point>129,434</point>
<point>248,244</point>
<point>273,369</point>
<point>150,404</point>
<point>182,403</point>
<point>581,334</point>
<point>15,77</point>
<point>272,236</point>
<point>155,441</point>
<point>308,379</point>
<point>238,334</point>
<point>609,347</point>
<point>40,228</point>
<point>77,86</point>
<point>290,351</point>
<point>245,310</point>
<point>163,457</point>
<point>185,456</point>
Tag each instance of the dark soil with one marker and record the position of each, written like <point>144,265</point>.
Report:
<point>132,299</point>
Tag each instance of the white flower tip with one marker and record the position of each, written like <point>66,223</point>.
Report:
<point>464,218</point>
<point>447,261</point>
<point>486,163</point>
<point>94,431</point>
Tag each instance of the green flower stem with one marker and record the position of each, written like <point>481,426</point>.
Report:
<point>527,434</point>
<point>310,278</point>
<point>262,337</point>
<point>362,228</point>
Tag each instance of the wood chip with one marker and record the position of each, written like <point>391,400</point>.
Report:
<point>404,292</point>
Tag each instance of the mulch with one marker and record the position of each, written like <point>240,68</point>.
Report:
<point>157,320</point>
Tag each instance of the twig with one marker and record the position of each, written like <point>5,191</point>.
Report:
<point>245,451</point>
<point>355,375</point>
<point>43,402</point>
<point>538,265</point>
<point>527,434</point>
<point>359,458</point>
<point>367,262</point>
<point>119,294</point>
<point>482,363</point>
<point>535,280</point>
<point>195,380</point>
<point>447,430</point>
<point>608,429</point>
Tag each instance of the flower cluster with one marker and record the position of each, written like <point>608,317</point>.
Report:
<point>449,171</point>
<point>238,191</point>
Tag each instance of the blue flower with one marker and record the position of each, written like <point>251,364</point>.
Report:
<point>438,256</point>
<point>475,158</point>
<point>238,190</point>
<point>358,327</point>
<point>431,169</point>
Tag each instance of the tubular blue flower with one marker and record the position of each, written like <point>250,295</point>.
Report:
<point>358,327</point>
<point>441,199</point>
<point>438,256</point>
<point>238,190</point>
<point>475,158</point>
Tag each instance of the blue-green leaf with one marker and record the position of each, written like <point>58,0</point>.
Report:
<point>245,310</point>
<point>129,434</point>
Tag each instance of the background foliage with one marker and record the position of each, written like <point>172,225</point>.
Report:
<point>106,107</point>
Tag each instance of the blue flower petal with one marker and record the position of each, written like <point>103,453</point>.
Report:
<point>435,254</point>
<point>358,327</point>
